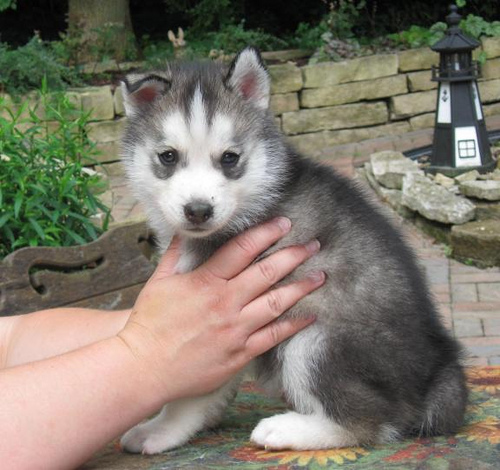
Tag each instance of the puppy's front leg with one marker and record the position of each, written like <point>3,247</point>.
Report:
<point>179,421</point>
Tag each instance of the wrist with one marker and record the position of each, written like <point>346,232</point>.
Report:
<point>147,361</point>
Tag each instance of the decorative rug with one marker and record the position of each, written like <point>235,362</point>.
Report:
<point>475,447</point>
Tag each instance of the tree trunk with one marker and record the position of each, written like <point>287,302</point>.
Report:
<point>100,30</point>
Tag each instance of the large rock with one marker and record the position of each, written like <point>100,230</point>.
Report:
<point>423,121</point>
<point>284,103</point>
<point>477,241</point>
<point>335,117</point>
<point>421,81</point>
<point>390,167</point>
<point>106,131</point>
<point>491,69</point>
<point>414,103</point>
<point>118,102</point>
<point>362,68</point>
<point>417,59</point>
<point>487,189</point>
<point>285,78</point>
<point>352,92</point>
<point>435,202</point>
<point>314,142</point>
<point>489,91</point>
<point>98,100</point>
<point>486,210</point>
<point>491,47</point>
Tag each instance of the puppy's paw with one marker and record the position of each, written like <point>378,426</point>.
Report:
<point>149,439</point>
<point>277,432</point>
<point>300,432</point>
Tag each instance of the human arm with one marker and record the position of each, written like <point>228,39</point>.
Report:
<point>187,335</point>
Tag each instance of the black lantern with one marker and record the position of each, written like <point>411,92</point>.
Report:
<point>460,137</point>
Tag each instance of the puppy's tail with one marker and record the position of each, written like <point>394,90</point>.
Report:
<point>445,402</point>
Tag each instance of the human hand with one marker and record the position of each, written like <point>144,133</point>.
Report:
<point>194,331</point>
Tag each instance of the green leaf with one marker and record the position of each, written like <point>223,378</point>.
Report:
<point>17,204</point>
<point>37,228</point>
<point>4,219</point>
<point>77,238</point>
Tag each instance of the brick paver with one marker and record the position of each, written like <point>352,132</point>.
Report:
<point>468,298</point>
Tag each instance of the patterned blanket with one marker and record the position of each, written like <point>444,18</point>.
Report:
<point>475,447</point>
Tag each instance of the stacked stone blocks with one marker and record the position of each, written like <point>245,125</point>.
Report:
<point>329,104</point>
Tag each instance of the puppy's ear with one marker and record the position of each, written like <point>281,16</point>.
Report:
<point>248,76</point>
<point>139,91</point>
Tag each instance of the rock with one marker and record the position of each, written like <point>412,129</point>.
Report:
<point>391,196</point>
<point>283,103</point>
<point>486,189</point>
<point>118,102</point>
<point>389,168</point>
<point>492,175</point>
<point>106,131</point>
<point>491,47</point>
<point>98,100</point>
<point>489,90</point>
<point>423,121</point>
<point>361,68</point>
<point>487,210</point>
<point>417,59</point>
<point>404,106</point>
<point>316,141</point>
<point>444,181</point>
<point>435,202</point>
<point>421,81</point>
<point>355,91</point>
<point>437,230</point>
<point>491,69</point>
<point>469,176</point>
<point>334,117</point>
<point>478,241</point>
<point>285,78</point>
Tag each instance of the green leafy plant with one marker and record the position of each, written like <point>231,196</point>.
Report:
<point>24,68</point>
<point>476,26</point>
<point>47,196</point>
<point>233,38</point>
<point>343,16</point>
<point>309,37</point>
<point>417,36</point>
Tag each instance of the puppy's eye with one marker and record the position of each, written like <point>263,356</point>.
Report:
<point>169,157</point>
<point>229,159</point>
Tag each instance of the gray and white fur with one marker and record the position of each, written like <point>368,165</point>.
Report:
<point>203,154</point>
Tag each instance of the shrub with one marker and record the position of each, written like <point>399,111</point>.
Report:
<point>24,68</point>
<point>47,196</point>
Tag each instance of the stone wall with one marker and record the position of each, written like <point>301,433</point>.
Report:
<point>334,103</point>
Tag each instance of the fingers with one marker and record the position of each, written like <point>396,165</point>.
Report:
<point>273,334</point>
<point>270,306</point>
<point>261,276</point>
<point>167,263</point>
<point>239,252</point>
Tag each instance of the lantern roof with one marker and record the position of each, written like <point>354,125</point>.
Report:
<point>455,40</point>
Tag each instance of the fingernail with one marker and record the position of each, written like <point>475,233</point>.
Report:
<point>283,223</point>
<point>316,276</point>
<point>313,246</point>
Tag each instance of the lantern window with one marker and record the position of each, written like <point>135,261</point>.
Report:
<point>466,148</point>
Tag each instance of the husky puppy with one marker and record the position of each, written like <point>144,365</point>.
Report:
<point>203,154</point>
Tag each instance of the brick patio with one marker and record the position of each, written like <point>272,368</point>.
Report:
<point>468,297</point>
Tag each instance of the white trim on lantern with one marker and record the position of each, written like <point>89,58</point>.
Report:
<point>477,103</point>
<point>444,103</point>
<point>467,151</point>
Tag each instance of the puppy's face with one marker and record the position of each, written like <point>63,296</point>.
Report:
<point>194,150</point>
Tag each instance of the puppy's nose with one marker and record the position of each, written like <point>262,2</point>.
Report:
<point>198,212</point>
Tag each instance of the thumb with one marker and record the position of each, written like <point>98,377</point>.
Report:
<point>168,262</point>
